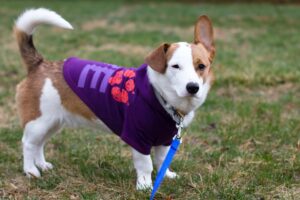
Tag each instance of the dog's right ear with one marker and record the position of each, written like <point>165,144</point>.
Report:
<point>157,59</point>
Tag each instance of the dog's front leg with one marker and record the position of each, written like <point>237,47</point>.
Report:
<point>160,154</point>
<point>143,167</point>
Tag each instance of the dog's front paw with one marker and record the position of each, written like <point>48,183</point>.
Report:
<point>143,186</point>
<point>144,183</point>
<point>32,172</point>
<point>171,175</point>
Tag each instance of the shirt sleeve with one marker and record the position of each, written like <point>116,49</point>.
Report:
<point>168,143</point>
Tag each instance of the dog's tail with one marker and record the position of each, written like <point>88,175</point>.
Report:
<point>24,28</point>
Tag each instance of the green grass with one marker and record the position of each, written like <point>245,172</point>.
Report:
<point>244,142</point>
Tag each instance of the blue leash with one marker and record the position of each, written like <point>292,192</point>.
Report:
<point>172,151</point>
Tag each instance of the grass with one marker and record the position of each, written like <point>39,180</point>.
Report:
<point>244,142</point>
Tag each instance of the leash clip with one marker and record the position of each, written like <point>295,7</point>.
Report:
<point>179,126</point>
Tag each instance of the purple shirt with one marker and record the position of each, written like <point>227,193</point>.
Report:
<point>124,100</point>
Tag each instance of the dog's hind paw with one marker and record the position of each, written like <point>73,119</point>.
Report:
<point>45,166</point>
<point>171,175</point>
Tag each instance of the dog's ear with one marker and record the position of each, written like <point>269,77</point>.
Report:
<point>204,34</point>
<point>157,59</point>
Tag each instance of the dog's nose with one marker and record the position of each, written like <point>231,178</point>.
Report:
<point>192,87</point>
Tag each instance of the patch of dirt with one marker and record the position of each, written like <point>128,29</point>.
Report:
<point>272,94</point>
<point>14,188</point>
<point>267,94</point>
<point>229,34</point>
<point>104,22</point>
<point>181,32</point>
<point>126,49</point>
<point>123,28</point>
<point>91,25</point>
<point>132,27</point>
<point>264,18</point>
<point>284,192</point>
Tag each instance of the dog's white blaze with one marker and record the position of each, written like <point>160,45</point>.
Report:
<point>180,78</point>
<point>34,17</point>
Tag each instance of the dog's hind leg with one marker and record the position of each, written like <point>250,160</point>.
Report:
<point>38,127</point>
<point>40,160</point>
<point>36,133</point>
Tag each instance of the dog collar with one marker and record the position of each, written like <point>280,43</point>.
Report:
<point>176,115</point>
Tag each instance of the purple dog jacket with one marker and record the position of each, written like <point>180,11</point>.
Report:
<point>124,100</point>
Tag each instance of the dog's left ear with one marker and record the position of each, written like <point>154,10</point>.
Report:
<point>157,59</point>
<point>204,34</point>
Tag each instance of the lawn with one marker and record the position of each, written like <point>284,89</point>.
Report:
<point>244,142</point>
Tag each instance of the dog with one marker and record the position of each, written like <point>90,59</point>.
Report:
<point>138,104</point>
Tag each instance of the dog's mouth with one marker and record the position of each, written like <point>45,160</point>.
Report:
<point>193,96</point>
<point>189,96</point>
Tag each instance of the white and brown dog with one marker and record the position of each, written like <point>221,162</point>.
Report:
<point>179,73</point>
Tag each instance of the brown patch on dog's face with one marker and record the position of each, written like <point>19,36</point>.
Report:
<point>171,51</point>
<point>159,58</point>
<point>201,60</point>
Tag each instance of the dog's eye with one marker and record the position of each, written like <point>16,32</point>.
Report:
<point>175,66</point>
<point>201,67</point>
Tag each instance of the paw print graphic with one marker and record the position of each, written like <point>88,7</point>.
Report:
<point>129,73</point>
<point>117,79</point>
<point>122,94</point>
<point>129,85</point>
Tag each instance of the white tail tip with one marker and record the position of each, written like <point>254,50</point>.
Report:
<point>31,18</point>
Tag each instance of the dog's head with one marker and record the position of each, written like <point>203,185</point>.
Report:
<point>181,72</point>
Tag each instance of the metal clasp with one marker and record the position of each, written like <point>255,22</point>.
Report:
<point>179,126</point>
